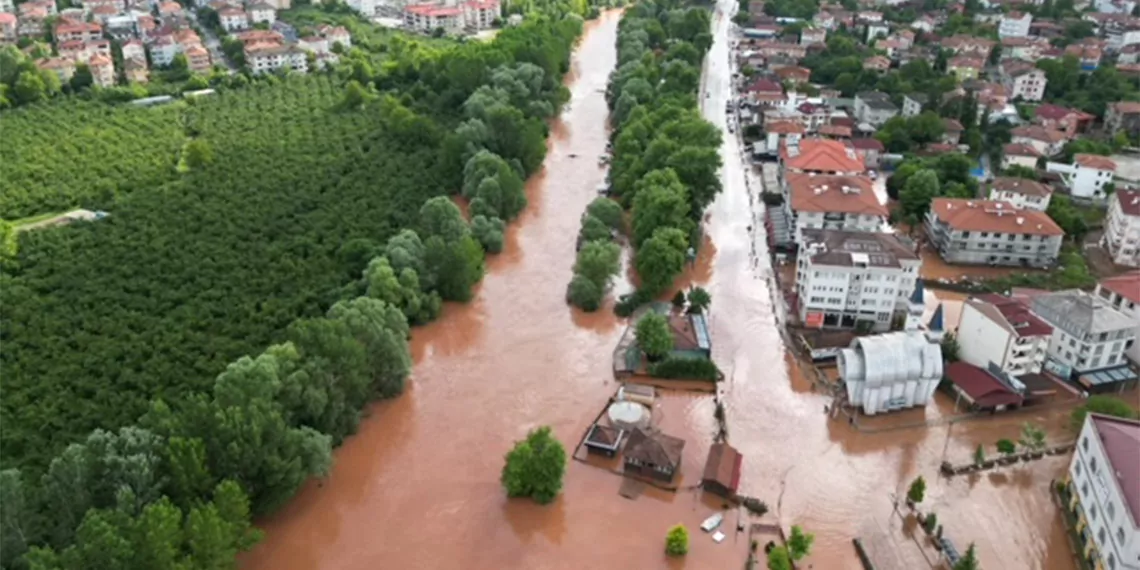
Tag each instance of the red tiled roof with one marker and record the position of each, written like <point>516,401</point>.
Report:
<point>1017,315</point>
<point>1126,107</point>
<point>6,18</point>
<point>723,466</point>
<point>952,125</point>
<point>784,127</point>
<point>1121,441</point>
<point>1021,186</point>
<point>1057,112</point>
<point>1126,285</point>
<point>763,85</point>
<point>835,130</point>
<point>1020,149</point>
<point>1095,161</point>
<point>1039,133</point>
<point>839,194</point>
<point>867,144</point>
<point>1129,201</point>
<point>993,216</point>
<point>822,155</point>
<point>985,390</point>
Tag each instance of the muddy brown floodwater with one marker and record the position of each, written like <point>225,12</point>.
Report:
<point>418,486</point>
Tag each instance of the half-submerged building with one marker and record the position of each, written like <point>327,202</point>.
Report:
<point>896,370</point>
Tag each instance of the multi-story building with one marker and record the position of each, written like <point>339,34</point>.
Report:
<point>1023,80</point>
<point>844,278</point>
<point>67,30</point>
<point>163,51</point>
<point>429,17</point>
<point>832,202</point>
<point>1021,192</point>
<point>135,70</point>
<point>1019,154</point>
<point>480,14</point>
<point>1122,228</point>
<point>1123,293</point>
<point>896,370</point>
<point>1002,331</point>
<point>992,233</point>
<point>821,156</point>
<point>62,67</point>
<point>965,67</point>
<point>8,28</point>
<point>874,107</point>
<point>1088,175</point>
<point>1123,116</point>
<point>1015,25</point>
<point>233,19</point>
<point>273,58</point>
<point>198,59</point>
<point>1090,338</point>
<point>913,104</point>
<point>1046,141</point>
<point>102,70</point>
<point>1068,121</point>
<point>365,7</point>
<point>1104,486</point>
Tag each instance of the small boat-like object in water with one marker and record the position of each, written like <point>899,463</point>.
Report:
<point>712,522</point>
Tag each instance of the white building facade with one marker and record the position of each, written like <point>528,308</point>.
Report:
<point>1022,193</point>
<point>1104,486</point>
<point>891,371</point>
<point>1088,334</point>
<point>1015,25</point>
<point>1122,228</point>
<point>1002,331</point>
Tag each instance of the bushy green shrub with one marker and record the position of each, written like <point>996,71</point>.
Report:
<point>685,368</point>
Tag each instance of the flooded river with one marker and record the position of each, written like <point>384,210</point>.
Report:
<point>418,486</point>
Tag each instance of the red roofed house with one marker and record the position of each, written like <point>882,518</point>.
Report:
<point>794,74</point>
<point>981,389</point>
<point>783,132</point>
<point>1123,293</point>
<point>1046,141</point>
<point>965,66</point>
<point>1021,192</point>
<point>722,470</point>
<point>877,63</point>
<point>822,156</point>
<point>1122,228</point>
<point>1019,154</point>
<point>62,67</point>
<point>868,149</point>
<point>1104,486</point>
<point>765,92</point>
<point>8,32</point>
<point>952,132</point>
<point>68,30</point>
<point>1003,331</point>
<point>1068,121</point>
<point>992,233</point>
<point>1088,175</point>
<point>102,70</point>
<point>1124,115</point>
<point>829,202</point>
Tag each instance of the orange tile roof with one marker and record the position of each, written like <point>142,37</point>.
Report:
<point>1126,285</point>
<point>1095,161</point>
<point>841,194</point>
<point>784,127</point>
<point>822,155</point>
<point>1020,186</point>
<point>1126,107</point>
<point>993,216</point>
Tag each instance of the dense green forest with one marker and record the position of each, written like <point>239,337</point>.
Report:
<point>310,215</point>
<point>82,154</point>
<point>666,160</point>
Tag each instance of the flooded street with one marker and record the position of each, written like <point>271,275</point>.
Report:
<point>418,486</point>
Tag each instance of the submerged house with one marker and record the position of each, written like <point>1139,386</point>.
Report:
<point>722,470</point>
<point>895,370</point>
<point>604,440</point>
<point>690,336</point>
<point>653,454</point>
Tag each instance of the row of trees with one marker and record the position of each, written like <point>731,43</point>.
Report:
<point>666,158</point>
<point>269,231</point>
<point>599,255</point>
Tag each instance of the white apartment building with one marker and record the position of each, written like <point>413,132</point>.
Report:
<point>1023,193</point>
<point>1104,483</point>
<point>1123,293</point>
<point>233,19</point>
<point>262,13</point>
<point>429,17</point>
<point>844,278</point>
<point>1025,82</point>
<point>833,203</point>
<point>1015,25</point>
<point>163,50</point>
<point>1122,228</point>
<point>7,6</point>
<point>365,7</point>
<point>1087,176</point>
<point>1002,331</point>
<point>1089,336</point>
<point>992,233</point>
<point>266,59</point>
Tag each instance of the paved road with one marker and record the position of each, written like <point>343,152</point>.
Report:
<point>214,45</point>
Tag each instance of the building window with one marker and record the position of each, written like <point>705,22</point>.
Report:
<point>1077,468</point>
<point>1100,536</point>
<point>1111,509</point>
<point>1092,514</point>
<point>1084,489</point>
<point>1120,535</point>
<point>1092,465</point>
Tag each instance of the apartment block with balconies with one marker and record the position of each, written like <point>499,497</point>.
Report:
<point>1104,490</point>
<point>988,232</point>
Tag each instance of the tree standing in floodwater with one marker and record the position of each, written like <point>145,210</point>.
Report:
<point>535,467</point>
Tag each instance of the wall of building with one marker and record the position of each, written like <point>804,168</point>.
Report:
<point>981,340</point>
<point>1101,503</point>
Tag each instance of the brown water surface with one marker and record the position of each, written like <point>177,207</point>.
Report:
<point>418,486</point>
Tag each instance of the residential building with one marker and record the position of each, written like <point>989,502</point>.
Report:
<point>429,17</point>
<point>133,49</point>
<point>1123,293</point>
<point>969,45</point>
<point>274,58</point>
<point>1023,193</point>
<point>722,470</point>
<point>820,155</point>
<point>8,28</point>
<point>847,277</point>
<point>102,70</point>
<point>811,36</point>
<point>198,59</point>
<point>262,12</point>
<point>1087,176</point>
<point>993,233</point>
<point>834,203</point>
<point>1104,486</point>
<point>924,23</point>
<point>877,63</point>
<point>1068,121</point>
<point>163,50</point>
<point>999,330</point>
<point>63,67</point>
<point>984,389</point>
<point>1123,116</point>
<point>1088,55</point>
<point>951,131</point>
<point>233,19</point>
<point>765,92</point>
<point>1122,228</point>
<point>874,108</point>
<point>335,35</point>
<point>7,6</point>
<point>794,74</point>
<point>1023,80</point>
<point>650,453</point>
<point>1015,25</point>
<point>868,149</point>
<point>892,371</point>
<point>480,14</point>
<point>135,70</point>
<point>1046,141</point>
<point>365,7</point>
<point>1089,340</point>
<point>913,104</point>
<point>782,132</point>
<point>66,30</point>
<point>965,67</point>
<point>1019,154</point>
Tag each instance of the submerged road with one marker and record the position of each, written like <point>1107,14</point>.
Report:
<point>418,486</point>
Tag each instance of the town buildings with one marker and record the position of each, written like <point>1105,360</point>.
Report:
<point>452,17</point>
<point>652,454</point>
<point>874,108</point>
<point>999,330</point>
<point>992,232</point>
<point>1044,140</point>
<point>1123,116</point>
<point>1104,486</point>
<point>1087,176</point>
<point>1123,293</point>
<point>1015,25</point>
<point>263,59</point>
<point>1023,80</point>
<point>1089,339</point>
<point>821,156</point>
<point>913,104</point>
<point>833,202</point>
<point>1122,228</point>
<point>848,279</point>
<point>1019,154</point>
<point>1068,121</point>
<point>1022,193</point>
